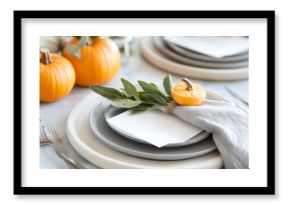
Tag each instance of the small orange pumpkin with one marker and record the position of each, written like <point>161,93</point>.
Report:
<point>57,76</point>
<point>187,93</point>
<point>98,63</point>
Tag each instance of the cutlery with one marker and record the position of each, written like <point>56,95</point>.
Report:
<point>48,135</point>
<point>234,94</point>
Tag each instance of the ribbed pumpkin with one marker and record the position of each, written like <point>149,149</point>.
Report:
<point>57,76</point>
<point>98,63</point>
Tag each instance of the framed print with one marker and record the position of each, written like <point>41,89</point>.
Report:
<point>144,102</point>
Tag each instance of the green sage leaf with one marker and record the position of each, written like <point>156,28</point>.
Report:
<point>145,97</point>
<point>140,108</point>
<point>130,89</point>
<point>125,103</point>
<point>110,93</point>
<point>167,84</point>
<point>153,85</point>
<point>132,99</point>
<point>153,91</point>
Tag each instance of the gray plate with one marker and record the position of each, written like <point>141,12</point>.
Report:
<point>113,111</point>
<point>160,45</point>
<point>198,56</point>
<point>104,133</point>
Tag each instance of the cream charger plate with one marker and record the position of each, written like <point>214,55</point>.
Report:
<point>94,150</point>
<point>156,58</point>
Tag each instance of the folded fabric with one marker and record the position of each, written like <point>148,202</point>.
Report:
<point>228,125</point>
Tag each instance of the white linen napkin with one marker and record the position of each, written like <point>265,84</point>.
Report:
<point>228,125</point>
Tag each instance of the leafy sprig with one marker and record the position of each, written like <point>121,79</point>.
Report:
<point>137,101</point>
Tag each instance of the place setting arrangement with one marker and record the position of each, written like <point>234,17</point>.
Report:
<point>144,125</point>
<point>155,133</point>
<point>203,57</point>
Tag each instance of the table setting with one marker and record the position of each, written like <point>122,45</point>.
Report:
<point>171,102</point>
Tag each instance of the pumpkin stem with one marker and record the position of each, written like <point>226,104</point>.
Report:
<point>45,56</point>
<point>188,84</point>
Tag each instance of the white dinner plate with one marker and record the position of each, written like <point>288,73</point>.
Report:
<point>97,152</point>
<point>156,58</point>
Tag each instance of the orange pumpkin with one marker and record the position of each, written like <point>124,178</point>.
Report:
<point>98,63</point>
<point>57,76</point>
<point>187,93</point>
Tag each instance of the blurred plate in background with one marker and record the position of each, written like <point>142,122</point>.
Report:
<point>158,59</point>
<point>198,56</point>
<point>215,46</point>
<point>161,46</point>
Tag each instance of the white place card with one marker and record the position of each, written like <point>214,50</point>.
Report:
<point>154,126</point>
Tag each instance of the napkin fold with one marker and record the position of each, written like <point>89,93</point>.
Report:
<point>228,125</point>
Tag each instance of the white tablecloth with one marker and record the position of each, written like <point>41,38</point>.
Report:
<point>137,68</point>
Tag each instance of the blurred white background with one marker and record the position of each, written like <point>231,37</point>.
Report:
<point>282,98</point>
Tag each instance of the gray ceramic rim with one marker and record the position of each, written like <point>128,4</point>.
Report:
<point>127,146</point>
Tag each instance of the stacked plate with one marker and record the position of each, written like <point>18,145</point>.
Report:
<point>195,57</point>
<point>198,145</point>
<point>92,136</point>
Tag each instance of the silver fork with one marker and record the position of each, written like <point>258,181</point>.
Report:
<point>48,135</point>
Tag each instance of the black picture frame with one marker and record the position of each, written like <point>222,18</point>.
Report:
<point>19,189</point>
